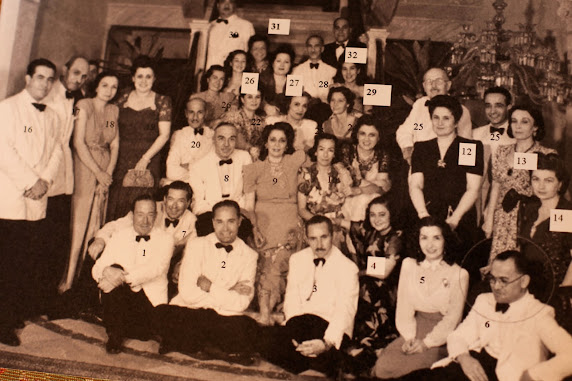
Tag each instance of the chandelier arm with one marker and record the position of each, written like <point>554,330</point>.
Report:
<point>537,98</point>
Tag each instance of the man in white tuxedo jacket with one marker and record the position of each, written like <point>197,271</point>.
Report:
<point>508,334</point>
<point>319,305</point>
<point>217,177</point>
<point>132,273</point>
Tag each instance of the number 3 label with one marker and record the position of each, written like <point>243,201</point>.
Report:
<point>467,154</point>
<point>376,95</point>
<point>356,55</point>
<point>524,160</point>
<point>561,220</point>
<point>375,266</point>
<point>279,26</point>
<point>249,83</point>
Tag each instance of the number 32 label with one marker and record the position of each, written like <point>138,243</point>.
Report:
<point>375,266</point>
<point>356,55</point>
<point>561,220</point>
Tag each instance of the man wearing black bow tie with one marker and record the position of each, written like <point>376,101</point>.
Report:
<point>498,101</point>
<point>508,334</point>
<point>319,305</point>
<point>132,275</point>
<point>334,52</point>
<point>190,143</point>
<point>227,33</point>
<point>216,285</point>
<point>30,154</point>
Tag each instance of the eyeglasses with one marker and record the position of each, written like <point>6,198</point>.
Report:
<point>502,281</point>
<point>438,82</point>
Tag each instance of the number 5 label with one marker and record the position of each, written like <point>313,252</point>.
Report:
<point>356,55</point>
<point>249,83</point>
<point>279,26</point>
<point>375,266</point>
<point>561,220</point>
<point>524,160</point>
<point>376,95</point>
<point>294,85</point>
<point>467,154</point>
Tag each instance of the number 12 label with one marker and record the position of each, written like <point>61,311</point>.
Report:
<point>356,55</point>
<point>294,85</point>
<point>279,26</point>
<point>375,266</point>
<point>249,83</point>
<point>561,220</point>
<point>376,95</point>
<point>524,160</point>
<point>467,154</point>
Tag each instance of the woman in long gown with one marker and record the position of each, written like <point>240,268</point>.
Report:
<point>96,144</point>
<point>526,125</point>
<point>272,181</point>
<point>144,128</point>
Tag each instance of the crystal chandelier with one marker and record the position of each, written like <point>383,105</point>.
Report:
<point>516,60</point>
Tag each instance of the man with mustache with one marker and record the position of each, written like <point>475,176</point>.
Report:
<point>190,143</point>
<point>319,306</point>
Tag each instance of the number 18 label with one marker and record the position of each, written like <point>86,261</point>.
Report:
<point>561,220</point>
<point>524,160</point>
<point>375,266</point>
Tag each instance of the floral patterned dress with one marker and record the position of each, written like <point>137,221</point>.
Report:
<point>375,318</point>
<point>249,131</point>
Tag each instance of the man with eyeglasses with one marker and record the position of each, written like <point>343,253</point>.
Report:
<point>508,333</point>
<point>418,126</point>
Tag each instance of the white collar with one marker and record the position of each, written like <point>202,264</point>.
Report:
<point>432,265</point>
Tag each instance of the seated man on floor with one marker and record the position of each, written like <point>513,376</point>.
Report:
<point>132,273</point>
<point>216,285</point>
<point>507,335</point>
<point>320,305</point>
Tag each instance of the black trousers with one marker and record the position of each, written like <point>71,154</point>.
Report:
<point>204,226</point>
<point>277,346</point>
<point>57,234</point>
<point>192,330</point>
<point>22,271</point>
<point>454,371</point>
<point>127,313</point>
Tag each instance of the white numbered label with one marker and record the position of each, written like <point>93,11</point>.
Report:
<point>561,220</point>
<point>375,266</point>
<point>249,83</point>
<point>356,55</point>
<point>467,154</point>
<point>376,95</point>
<point>279,26</point>
<point>524,160</point>
<point>294,85</point>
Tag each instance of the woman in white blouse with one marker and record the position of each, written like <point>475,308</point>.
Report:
<point>430,300</point>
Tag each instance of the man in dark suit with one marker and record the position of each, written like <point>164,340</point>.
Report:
<point>334,52</point>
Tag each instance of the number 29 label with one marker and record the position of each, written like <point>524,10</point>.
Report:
<point>376,95</point>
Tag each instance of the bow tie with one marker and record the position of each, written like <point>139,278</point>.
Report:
<point>228,248</point>
<point>39,106</point>
<point>495,129</point>
<point>314,65</point>
<point>168,222</point>
<point>69,94</point>
<point>145,237</point>
<point>340,45</point>
<point>318,260</point>
<point>502,307</point>
<point>199,131</point>
<point>427,103</point>
<point>222,20</point>
<point>223,162</point>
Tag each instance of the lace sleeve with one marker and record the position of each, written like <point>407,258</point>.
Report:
<point>164,107</point>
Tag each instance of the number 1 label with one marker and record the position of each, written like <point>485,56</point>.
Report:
<point>249,83</point>
<point>375,266</point>
<point>561,220</point>
<point>524,160</point>
<point>467,154</point>
<point>279,26</point>
<point>294,85</point>
<point>376,95</point>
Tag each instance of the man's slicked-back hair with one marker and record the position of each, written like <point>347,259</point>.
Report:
<point>319,219</point>
<point>521,262</point>
<point>228,204</point>
<point>142,197</point>
<point>499,90</point>
<point>180,185</point>
<point>31,69</point>
<point>74,58</point>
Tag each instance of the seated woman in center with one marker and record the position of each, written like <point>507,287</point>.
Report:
<point>343,117</point>
<point>430,299</point>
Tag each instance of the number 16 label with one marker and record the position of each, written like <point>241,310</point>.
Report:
<point>524,160</point>
<point>467,154</point>
<point>561,220</point>
<point>249,83</point>
<point>376,95</point>
<point>375,266</point>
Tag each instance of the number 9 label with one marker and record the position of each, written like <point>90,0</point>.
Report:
<point>376,95</point>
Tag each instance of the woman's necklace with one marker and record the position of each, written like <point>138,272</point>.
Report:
<point>365,164</point>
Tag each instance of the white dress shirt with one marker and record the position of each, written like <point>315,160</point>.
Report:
<point>223,269</point>
<point>520,339</point>
<point>430,287</point>
<point>329,290</point>
<point>225,38</point>
<point>184,230</point>
<point>317,82</point>
<point>56,99</point>
<point>186,149</point>
<point>304,133</point>
<point>145,262</point>
<point>30,149</point>
<point>418,126</point>
<point>208,188</point>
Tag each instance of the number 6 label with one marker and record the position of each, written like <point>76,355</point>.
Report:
<point>356,55</point>
<point>249,83</point>
<point>294,85</point>
<point>375,266</point>
<point>561,220</point>
<point>467,154</point>
<point>376,95</point>
<point>279,26</point>
<point>524,160</point>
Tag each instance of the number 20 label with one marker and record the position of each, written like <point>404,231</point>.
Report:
<point>376,95</point>
<point>561,220</point>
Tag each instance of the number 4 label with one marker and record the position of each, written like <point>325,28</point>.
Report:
<point>467,154</point>
<point>375,266</point>
<point>524,160</point>
<point>561,220</point>
<point>294,85</point>
<point>376,95</point>
<point>279,26</point>
<point>249,83</point>
<point>356,55</point>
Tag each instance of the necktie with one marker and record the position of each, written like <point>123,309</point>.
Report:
<point>495,129</point>
<point>145,237</point>
<point>69,94</point>
<point>199,131</point>
<point>314,65</point>
<point>39,106</point>
<point>228,248</point>
<point>168,222</point>
<point>223,162</point>
<point>502,307</point>
<point>222,20</point>
<point>318,260</point>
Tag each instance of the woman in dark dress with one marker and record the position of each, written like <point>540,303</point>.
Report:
<point>375,318</point>
<point>144,128</point>
<point>441,187</point>
<point>273,80</point>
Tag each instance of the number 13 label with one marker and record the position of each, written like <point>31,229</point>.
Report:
<point>375,266</point>
<point>467,154</point>
<point>524,160</point>
<point>561,220</point>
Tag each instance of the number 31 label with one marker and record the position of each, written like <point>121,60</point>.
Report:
<point>561,220</point>
<point>249,83</point>
<point>376,95</point>
<point>467,154</point>
<point>375,266</point>
<point>524,160</point>
<point>279,26</point>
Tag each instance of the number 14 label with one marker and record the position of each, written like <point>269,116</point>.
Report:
<point>375,266</point>
<point>561,220</point>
